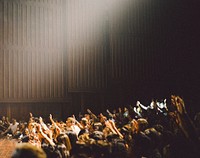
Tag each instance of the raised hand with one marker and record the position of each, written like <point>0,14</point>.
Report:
<point>50,117</point>
<point>180,105</point>
<point>40,119</point>
<point>89,111</point>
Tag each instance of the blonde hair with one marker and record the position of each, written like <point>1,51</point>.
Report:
<point>27,150</point>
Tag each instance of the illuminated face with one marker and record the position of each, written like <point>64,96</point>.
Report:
<point>26,131</point>
<point>3,118</point>
<point>13,121</point>
<point>69,123</point>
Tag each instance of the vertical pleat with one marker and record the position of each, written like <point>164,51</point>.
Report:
<point>31,64</point>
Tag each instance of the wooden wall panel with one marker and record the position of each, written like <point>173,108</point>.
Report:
<point>21,110</point>
<point>32,50</point>
<point>115,41</point>
<point>87,70</point>
<point>86,45</point>
<point>138,49</point>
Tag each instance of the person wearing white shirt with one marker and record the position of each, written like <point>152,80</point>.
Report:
<point>12,129</point>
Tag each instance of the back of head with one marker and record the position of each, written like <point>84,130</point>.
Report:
<point>26,150</point>
<point>142,124</point>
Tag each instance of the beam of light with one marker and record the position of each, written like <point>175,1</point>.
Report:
<point>87,20</point>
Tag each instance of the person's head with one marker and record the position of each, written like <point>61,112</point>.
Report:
<point>102,119</point>
<point>98,126</point>
<point>64,139</point>
<point>7,119</point>
<point>26,131</point>
<point>142,124</point>
<point>139,125</point>
<point>26,150</point>
<point>84,122</point>
<point>87,116</point>
<point>14,121</point>
<point>70,121</point>
<point>3,118</point>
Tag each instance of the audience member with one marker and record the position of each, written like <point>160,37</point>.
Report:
<point>158,130</point>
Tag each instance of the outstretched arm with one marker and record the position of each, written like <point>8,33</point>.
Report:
<point>50,141</point>
<point>77,123</point>
<point>182,118</point>
<point>111,125</point>
<point>92,115</point>
<point>44,126</point>
<point>54,124</point>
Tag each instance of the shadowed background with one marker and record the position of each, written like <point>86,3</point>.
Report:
<point>64,56</point>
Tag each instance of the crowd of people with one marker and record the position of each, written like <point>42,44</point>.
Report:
<point>162,129</point>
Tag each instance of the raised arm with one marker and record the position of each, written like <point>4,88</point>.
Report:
<point>183,120</point>
<point>45,128</point>
<point>111,125</point>
<point>92,114</point>
<point>54,124</point>
<point>50,141</point>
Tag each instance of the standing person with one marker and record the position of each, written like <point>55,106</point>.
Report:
<point>4,123</point>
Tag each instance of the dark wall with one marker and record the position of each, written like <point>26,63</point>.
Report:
<point>148,49</point>
<point>74,55</point>
<point>155,51</point>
